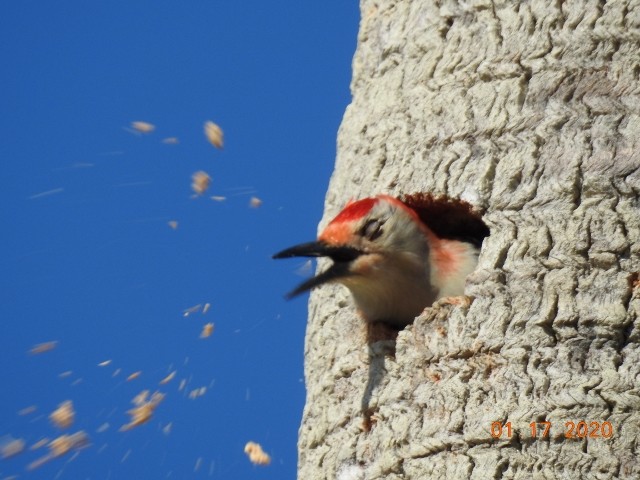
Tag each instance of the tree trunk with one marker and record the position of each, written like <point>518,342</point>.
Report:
<point>531,112</point>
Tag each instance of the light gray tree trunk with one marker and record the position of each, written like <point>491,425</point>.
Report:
<point>530,111</point>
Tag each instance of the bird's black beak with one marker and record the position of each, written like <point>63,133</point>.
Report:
<point>341,255</point>
<point>321,249</point>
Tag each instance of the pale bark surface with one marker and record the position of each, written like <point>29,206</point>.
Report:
<point>530,111</point>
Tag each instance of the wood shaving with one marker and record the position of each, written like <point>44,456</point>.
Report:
<point>126,455</point>
<point>39,444</point>
<point>134,375</point>
<point>214,134</point>
<point>197,392</point>
<point>206,308</point>
<point>200,182</point>
<point>64,443</point>
<point>143,411</point>
<point>103,428</point>
<point>168,378</point>
<point>27,410</point>
<point>256,455</point>
<point>141,398</point>
<point>171,140</point>
<point>255,202</point>
<point>43,347</point>
<point>218,198</point>
<point>105,363</point>
<point>143,127</point>
<point>173,224</point>
<point>63,416</point>
<point>190,310</point>
<point>46,193</point>
<point>207,330</point>
<point>10,447</point>
<point>61,446</point>
<point>305,268</point>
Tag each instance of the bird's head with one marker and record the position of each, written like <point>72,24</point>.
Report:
<point>397,256</point>
<point>367,241</point>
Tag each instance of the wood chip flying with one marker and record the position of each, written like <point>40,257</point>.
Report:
<point>103,428</point>
<point>61,446</point>
<point>214,134</point>
<point>255,202</point>
<point>143,409</point>
<point>134,375</point>
<point>141,398</point>
<point>200,182</point>
<point>173,224</point>
<point>63,416</point>
<point>207,330</point>
<point>64,443</point>
<point>43,347</point>
<point>39,444</point>
<point>171,140</point>
<point>190,310</point>
<point>304,269</point>
<point>143,127</point>
<point>10,447</point>
<point>256,455</point>
<point>197,392</point>
<point>27,410</point>
<point>168,378</point>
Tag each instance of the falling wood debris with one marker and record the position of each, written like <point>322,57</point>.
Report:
<point>214,134</point>
<point>256,455</point>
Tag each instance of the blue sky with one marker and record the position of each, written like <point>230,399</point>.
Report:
<point>87,256</point>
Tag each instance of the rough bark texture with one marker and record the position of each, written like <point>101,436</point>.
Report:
<point>531,111</point>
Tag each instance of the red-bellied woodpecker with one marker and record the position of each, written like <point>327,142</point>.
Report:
<point>390,258</point>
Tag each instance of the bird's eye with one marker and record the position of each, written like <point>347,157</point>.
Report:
<point>372,229</point>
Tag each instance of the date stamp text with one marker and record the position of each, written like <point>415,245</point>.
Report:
<point>571,429</point>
